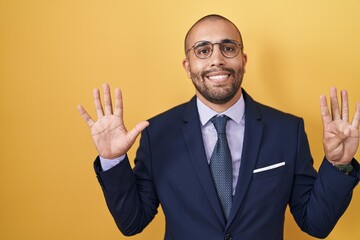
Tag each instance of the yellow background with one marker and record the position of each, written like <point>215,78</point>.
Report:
<point>53,53</point>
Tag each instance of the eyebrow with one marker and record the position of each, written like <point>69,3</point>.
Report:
<point>227,41</point>
<point>201,43</point>
<point>204,42</point>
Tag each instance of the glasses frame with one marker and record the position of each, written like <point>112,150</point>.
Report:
<point>212,47</point>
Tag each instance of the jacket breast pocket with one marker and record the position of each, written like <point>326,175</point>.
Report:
<point>269,171</point>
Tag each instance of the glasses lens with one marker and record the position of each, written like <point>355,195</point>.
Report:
<point>229,49</point>
<point>203,49</point>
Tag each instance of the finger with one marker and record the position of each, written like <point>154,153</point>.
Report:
<point>85,116</point>
<point>134,133</point>
<point>335,112</point>
<point>107,99</point>
<point>118,110</point>
<point>344,106</point>
<point>356,118</point>
<point>324,110</point>
<point>97,103</point>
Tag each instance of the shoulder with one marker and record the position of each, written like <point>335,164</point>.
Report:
<point>174,113</point>
<point>259,109</point>
<point>175,116</point>
<point>270,112</point>
<point>268,115</point>
<point>168,125</point>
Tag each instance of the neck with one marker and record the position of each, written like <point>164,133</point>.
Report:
<point>219,108</point>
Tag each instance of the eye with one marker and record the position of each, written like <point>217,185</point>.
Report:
<point>228,47</point>
<point>203,50</point>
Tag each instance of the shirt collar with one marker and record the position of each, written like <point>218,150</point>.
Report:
<point>235,112</point>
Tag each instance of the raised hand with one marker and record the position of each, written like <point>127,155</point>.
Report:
<point>109,132</point>
<point>341,138</point>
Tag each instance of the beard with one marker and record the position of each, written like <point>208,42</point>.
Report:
<point>220,93</point>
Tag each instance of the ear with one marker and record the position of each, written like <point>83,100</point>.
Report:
<point>244,60</point>
<point>186,66</point>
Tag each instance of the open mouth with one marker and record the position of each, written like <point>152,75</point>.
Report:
<point>218,77</point>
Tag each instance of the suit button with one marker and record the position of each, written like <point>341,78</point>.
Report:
<point>227,236</point>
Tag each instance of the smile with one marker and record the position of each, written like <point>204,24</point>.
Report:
<point>219,77</point>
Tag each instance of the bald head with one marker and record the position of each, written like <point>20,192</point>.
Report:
<point>211,18</point>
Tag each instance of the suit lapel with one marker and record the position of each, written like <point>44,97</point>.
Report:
<point>252,141</point>
<point>193,138</point>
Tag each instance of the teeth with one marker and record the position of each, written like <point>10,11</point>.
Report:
<point>218,77</point>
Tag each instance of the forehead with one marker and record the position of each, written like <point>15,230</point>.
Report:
<point>213,31</point>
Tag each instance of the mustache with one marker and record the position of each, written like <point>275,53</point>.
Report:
<point>230,70</point>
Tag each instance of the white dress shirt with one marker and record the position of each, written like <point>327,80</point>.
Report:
<point>234,131</point>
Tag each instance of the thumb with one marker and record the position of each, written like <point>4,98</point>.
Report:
<point>134,133</point>
<point>347,132</point>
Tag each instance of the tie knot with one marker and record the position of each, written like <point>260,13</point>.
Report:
<point>220,123</point>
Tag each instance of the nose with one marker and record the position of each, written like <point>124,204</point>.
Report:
<point>217,58</point>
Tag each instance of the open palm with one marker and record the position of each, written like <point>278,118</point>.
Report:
<point>340,137</point>
<point>109,133</point>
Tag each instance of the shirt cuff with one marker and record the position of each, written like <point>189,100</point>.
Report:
<point>107,164</point>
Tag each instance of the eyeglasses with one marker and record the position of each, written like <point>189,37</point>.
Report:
<point>228,48</point>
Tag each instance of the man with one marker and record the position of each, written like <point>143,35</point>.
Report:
<point>184,161</point>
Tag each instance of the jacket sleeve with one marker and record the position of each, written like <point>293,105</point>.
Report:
<point>130,197</point>
<point>319,200</point>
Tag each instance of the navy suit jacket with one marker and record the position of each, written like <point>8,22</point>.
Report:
<point>171,169</point>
